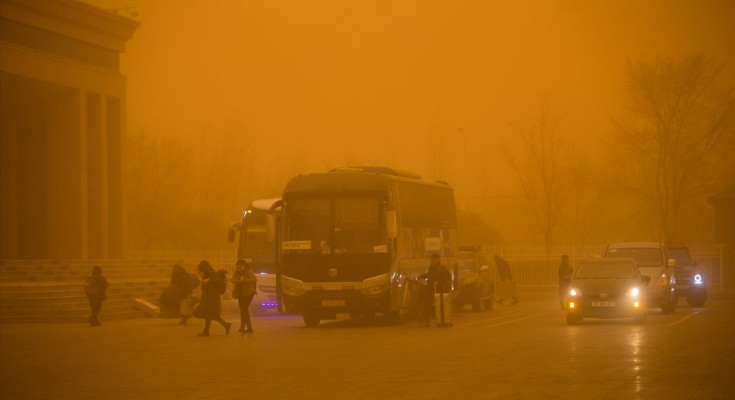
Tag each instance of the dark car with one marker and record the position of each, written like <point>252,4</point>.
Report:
<point>473,282</point>
<point>690,281</point>
<point>607,288</point>
<point>653,261</point>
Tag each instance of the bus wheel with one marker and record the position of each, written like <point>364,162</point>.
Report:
<point>311,320</point>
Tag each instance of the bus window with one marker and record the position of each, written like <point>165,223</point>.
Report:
<point>308,226</point>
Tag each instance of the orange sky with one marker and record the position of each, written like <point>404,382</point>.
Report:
<point>331,82</point>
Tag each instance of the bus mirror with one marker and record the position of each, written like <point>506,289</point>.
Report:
<point>271,226</point>
<point>231,235</point>
<point>391,224</point>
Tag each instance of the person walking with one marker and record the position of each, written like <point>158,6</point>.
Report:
<point>508,288</point>
<point>565,278</point>
<point>210,307</point>
<point>244,291</point>
<point>95,288</point>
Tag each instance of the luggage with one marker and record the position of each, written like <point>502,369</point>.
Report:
<point>443,309</point>
<point>505,290</point>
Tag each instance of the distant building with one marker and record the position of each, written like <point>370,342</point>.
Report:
<point>62,113</point>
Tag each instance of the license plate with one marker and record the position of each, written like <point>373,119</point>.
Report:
<point>603,304</point>
<point>333,303</point>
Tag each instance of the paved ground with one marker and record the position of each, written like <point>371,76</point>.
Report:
<point>512,352</point>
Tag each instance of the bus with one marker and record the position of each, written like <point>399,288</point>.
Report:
<point>257,245</point>
<point>352,240</point>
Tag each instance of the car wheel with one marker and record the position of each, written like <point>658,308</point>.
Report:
<point>640,318</point>
<point>573,319</point>
<point>477,303</point>
<point>670,305</point>
<point>489,301</point>
<point>311,320</point>
<point>697,299</point>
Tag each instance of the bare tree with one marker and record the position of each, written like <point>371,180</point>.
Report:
<point>541,161</point>
<point>670,145</point>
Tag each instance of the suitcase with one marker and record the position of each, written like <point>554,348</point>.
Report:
<point>443,309</point>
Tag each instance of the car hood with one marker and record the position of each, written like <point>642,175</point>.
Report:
<point>614,287</point>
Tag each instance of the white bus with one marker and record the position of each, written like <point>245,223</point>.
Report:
<point>352,240</point>
<point>258,247</point>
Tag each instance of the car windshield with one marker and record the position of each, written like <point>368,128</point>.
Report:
<point>466,265</point>
<point>605,271</point>
<point>681,255</point>
<point>642,256</point>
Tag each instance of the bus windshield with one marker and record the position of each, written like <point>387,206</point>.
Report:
<point>348,224</point>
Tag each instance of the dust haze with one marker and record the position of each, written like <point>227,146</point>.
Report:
<point>227,100</point>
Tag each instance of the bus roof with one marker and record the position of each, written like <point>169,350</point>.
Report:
<point>263,204</point>
<point>353,179</point>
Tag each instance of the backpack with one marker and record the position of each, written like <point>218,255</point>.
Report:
<point>221,281</point>
<point>91,288</point>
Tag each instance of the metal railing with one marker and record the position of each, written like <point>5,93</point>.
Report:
<point>531,265</point>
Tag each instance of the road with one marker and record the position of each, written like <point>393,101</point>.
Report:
<point>525,351</point>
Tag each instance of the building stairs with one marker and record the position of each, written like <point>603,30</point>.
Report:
<point>53,291</point>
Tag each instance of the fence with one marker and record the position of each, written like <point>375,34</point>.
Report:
<point>532,265</point>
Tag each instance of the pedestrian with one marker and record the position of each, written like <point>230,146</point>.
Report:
<point>96,289</point>
<point>245,281</point>
<point>565,277</point>
<point>210,307</point>
<point>508,288</point>
<point>179,288</point>
<point>438,280</point>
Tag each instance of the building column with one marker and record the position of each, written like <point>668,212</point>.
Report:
<point>66,133</point>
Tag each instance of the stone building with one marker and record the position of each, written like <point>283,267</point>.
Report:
<point>62,121</point>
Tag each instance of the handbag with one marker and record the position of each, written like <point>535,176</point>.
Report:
<point>197,312</point>
<point>185,306</point>
<point>236,290</point>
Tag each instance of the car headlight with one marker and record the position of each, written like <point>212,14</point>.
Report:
<point>375,285</point>
<point>661,282</point>
<point>574,292</point>
<point>292,287</point>
<point>634,292</point>
<point>698,279</point>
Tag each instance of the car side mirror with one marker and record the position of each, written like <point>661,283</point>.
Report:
<point>646,279</point>
<point>484,268</point>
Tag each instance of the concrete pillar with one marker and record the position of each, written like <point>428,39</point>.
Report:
<point>67,224</point>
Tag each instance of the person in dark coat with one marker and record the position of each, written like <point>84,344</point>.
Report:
<point>244,279</point>
<point>437,278</point>
<point>565,278</point>
<point>506,277</point>
<point>95,288</point>
<point>210,306</point>
<point>176,291</point>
